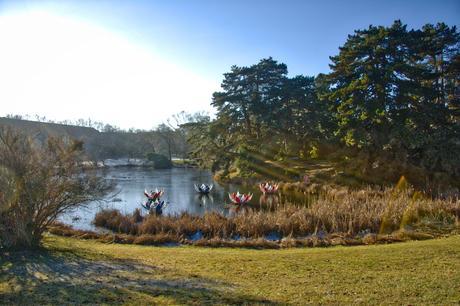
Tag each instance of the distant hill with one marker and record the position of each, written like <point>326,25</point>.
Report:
<point>45,129</point>
<point>98,145</point>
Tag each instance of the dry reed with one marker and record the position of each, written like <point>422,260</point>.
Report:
<point>351,213</point>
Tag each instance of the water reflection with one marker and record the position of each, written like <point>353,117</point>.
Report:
<point>180,194</point>
<point>205,199</point>
<point>269,201</point>
<point>234,210</point>
<point>178,184</point>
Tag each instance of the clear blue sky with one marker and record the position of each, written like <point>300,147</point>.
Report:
<point>207,37</point>
<point>212,35</point>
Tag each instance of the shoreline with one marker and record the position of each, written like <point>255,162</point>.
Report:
<point>321,240</point>
<point>132,163</point>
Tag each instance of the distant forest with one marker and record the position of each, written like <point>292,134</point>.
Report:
<point>103,141</point>
<point>389,107</point>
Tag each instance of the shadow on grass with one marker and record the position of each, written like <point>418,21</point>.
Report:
<point>56,277</point>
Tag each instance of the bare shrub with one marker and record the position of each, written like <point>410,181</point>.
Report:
<point>38,183</point>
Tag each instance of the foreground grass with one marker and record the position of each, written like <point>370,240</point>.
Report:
<point>69,270</point>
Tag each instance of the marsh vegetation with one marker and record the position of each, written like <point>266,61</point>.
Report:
<point>334,217</point>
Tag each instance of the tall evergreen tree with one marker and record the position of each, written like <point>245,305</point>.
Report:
<point>393,91</point>
<point>249,96</point>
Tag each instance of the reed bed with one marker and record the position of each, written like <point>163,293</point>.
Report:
<point>349,214</point>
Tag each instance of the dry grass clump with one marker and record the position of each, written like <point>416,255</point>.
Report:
<point>258,243</point>
<point>186,224</point>
<point>381,212</point>
<point>158,239</point>
<point>61,229</point>
<point>354,215</point>
<point>113,220</point>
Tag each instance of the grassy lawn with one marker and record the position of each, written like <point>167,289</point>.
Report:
<point>71,271</point>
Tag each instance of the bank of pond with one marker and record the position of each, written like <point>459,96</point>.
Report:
<point>220,216</point>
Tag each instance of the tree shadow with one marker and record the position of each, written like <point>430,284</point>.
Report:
<point>56,277</point>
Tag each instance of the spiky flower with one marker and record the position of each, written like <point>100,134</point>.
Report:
<point>203,188</point>
<point>240,198</point>
<point>154,195</point>
<point>268,188</point>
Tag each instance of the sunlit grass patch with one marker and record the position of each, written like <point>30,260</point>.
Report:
<point>86,271</point>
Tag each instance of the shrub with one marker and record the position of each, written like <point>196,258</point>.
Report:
<point>159,161</point>
<point>39,182</point>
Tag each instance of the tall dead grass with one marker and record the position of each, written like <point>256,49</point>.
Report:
<point>354,213</point>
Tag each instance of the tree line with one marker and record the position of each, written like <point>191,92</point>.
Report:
<point>389,106</point>
<point>104,141</point>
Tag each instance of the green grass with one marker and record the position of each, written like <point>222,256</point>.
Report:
<point>71,271</point>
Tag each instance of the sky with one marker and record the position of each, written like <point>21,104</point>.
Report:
<point>136,63</point>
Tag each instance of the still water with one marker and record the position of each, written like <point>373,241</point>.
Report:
<point>180,194</point>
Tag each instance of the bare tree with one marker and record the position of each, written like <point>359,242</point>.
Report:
<point>177,131</point>
<point>39,182</point>
<point>166,134</point>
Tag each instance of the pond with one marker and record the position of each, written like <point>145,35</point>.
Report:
<point>180,194</point>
